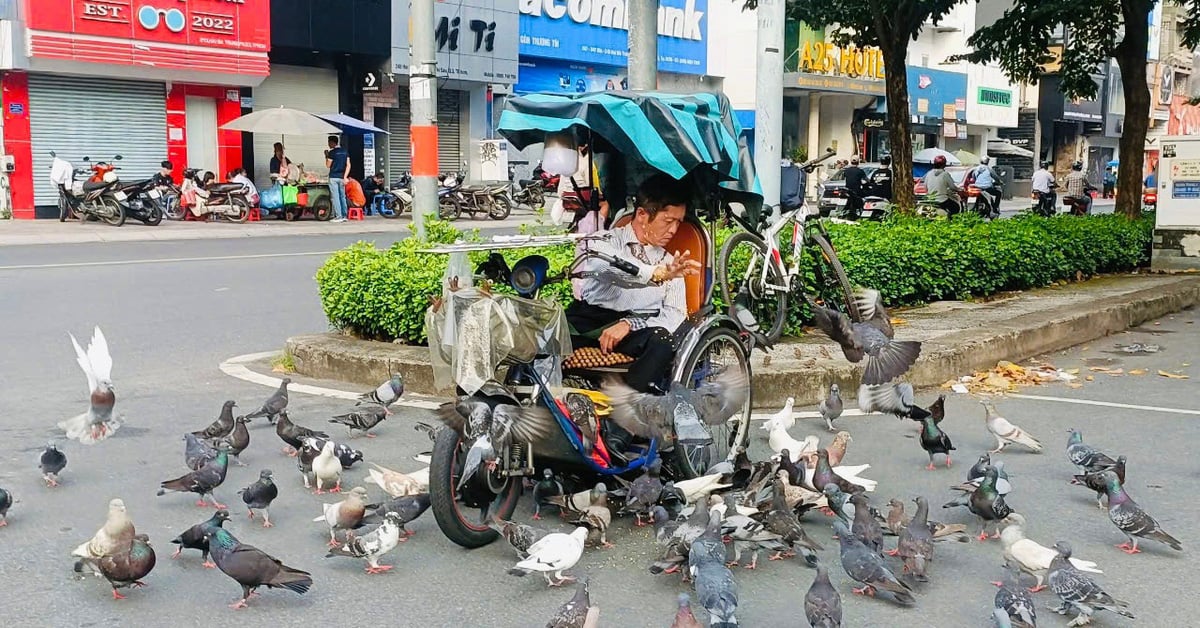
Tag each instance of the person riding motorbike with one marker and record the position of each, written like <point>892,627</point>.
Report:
<point>856,179</point>
<point>940,187</point>
<point>1077,188</point>
<point>987,181</point>
<point>881,179</point>
<point>1043,184</point>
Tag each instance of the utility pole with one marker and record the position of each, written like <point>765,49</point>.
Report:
<point>768,96</point>
<point>643,45</point>
<point>422,96</point>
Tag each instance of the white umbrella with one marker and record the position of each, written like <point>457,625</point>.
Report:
<point>281,121</point>
<point>926,157</point>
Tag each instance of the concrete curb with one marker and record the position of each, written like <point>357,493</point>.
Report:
<point>339,357</point>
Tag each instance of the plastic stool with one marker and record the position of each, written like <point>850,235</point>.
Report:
<point>255,215</point>
<point>354,213</point>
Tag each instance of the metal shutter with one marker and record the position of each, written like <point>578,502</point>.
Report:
<point>314,90</point>
<point>450,155</point>
<point>399,139</point>
<point>97,118</point>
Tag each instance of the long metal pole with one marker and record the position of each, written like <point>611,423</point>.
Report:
<point>643,45</point>
<point>768,94</point>
<point>422,95</point>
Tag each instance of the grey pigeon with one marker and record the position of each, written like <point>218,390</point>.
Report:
<point>1078,591</point>
<point>831,406</point>
<point>886,358</point>
<point>675,538</point>
<point>363,418</point>
<point>6,502</point>
<point>1132,520</point>
<point>276,403</point>
<point>253,568</point>
<point>222,426</point>
<point>99,422</point>
<point>894,399</point>
<point>577,611</point>
<point>51,462</point>
<point>487,429</point>
<point>549,486</point>
<point>196,452</point>
<point>681,413</point>
<point>864,525</point>
<point>385,394</point>
<point>202,482</point>
<point>372,545</point>
<point>237,440</point>
<point>1014,602</point>
<point>292,434</point>
<point>868,567</point>
<point>782,521</point>
<point>745,532</point>
<point>986,503</point>
<point>839,503</point>
<point>408,507</point>
<point>715,588</point>
<point>822,603</point>
<point>258,496</point>
<point>644,492</point>
<point>519,535</point>
<point>1086,457</point>
<point>1095,480</point>
<point>979,469</point>
<point>915,546</point>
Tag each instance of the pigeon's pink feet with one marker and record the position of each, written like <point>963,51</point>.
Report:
<point>867,590</point>
<point>379,569</point>
<point>218,505</point>
<point>930,467</point>
<point>337,488</point>
<point>983,536</point>
<point>208,564</point>
<point>827,511</point>
<point>947,462</point>
<point>3,523</point>
<point>1129,549</point>
<point>996,583</point>
<point>201,503</point>
<point>268,524</point>
<point>894,552</point>
<point>537,517</point>
<point>139,584</point>
<point>240,604</point>
<point>250,514</point>
<point>731,564</point>
<point>177,552</point>
<point>752,565</point>
<point>776,556</point>
<point>370,435</point>
<point>117,596</point>
<point>1037,588</point>
<point>334,543</point>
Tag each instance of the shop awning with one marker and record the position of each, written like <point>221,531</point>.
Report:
<point>349,124</point>
<point>1001,147</point>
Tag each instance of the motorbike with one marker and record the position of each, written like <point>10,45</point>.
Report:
<point>987,204</point>
<point>142,201</point>
<point>529,192</point>
<point>225,200</point>
<point>490,198</point>
<point>1043,204</point>
<point>450,198</point>
<point>395,201</point>
<point>549,182</point>
<point>1079,205</point>
<point>1150,200</point>
<point>97,197</point>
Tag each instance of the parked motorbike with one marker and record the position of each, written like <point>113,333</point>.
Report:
<point>397,200</point>
<point>489,198</point>
<point>450,197</point>
<point>142,201</point>
<point>98,197</point>
<point>529,192</point>
<point>225,200</point>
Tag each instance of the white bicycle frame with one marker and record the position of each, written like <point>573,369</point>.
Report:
<point>774,255</point>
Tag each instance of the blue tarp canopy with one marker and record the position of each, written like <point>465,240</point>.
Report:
<point>349,124</point>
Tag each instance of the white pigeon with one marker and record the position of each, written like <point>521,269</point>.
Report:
<point>698,488</point>
<point>784,418</point>
<point>398,484</point>
<point>373,545</point>
<point>1006,433</point>
<point>553,554</point>
<point>779,440</point>
<point>327,469</point>
<point>850,473</point>
<point>1033,558</point>
<point>99,422</point>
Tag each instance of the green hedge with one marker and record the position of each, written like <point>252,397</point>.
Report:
<point>382,294</point>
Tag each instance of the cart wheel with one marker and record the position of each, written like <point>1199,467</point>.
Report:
<point>292,213</point>
<point>322,209</point>
<point>458,514</point>
<point>719,349</point>
<point>740,271</point>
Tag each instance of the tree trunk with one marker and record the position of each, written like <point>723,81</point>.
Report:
<point>1131,58</point>
<point>895,61</point>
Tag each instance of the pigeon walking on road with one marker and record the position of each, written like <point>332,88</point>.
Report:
<point>220,427</point>
<point>327,470</point>
<point>6,502</point>
<point>372,545</point>
<point>549,486</point>
<point>1132,520</point>
<point>716,591</point>
<point>986,503</point>
<point>1014,601</point>
<point>552,555</point>
<point>822,603</point>
<point>784,419</point>
<point>1030,556</point>
<point>831,407</point>
<point>935,441</point>
<point>868,568</point>
<point>596,517</point>
<point>577,612</point>
<point>886,358</point>
<point>201,482</point>
<point>363,418</point>
<point>1095,480</point>
<point>237,440</point>
<point>117,530</point>
<point>897,399</point>
<point>252,568</point>
<point>408,507</point>
<point>346,514</point>
<point>1086,457</point>
<point>915,546</point>
<point>385,394</point>
<point>643,492</point>
<point>864,525</point>
<point>978,470</point>
<point>258,496</point>
<point>196,452</point>
<point>292,434</point>
<point>52,461</point>
<point>1079,592</point>
<point>99,422</point>
<point>275,404</point>
<point>519,535</point>
<point>196,537</point>
<point>399,484</point>
<point>126,566</point>
<point>782,521</point>
<point>1006,433</point>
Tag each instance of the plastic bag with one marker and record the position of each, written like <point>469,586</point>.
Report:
<point>271,198</point>
<point>289,194</point>
<point>458,266</point>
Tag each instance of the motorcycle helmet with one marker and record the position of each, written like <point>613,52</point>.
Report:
<point>1078,165</point>
<point>939,161</point>
<point>885,160</point>
<point>984,160</point>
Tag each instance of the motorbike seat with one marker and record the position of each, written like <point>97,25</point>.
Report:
<point>88,186</point>
<point>226,187</point>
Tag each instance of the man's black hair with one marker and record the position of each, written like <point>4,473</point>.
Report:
<point>660,191</point>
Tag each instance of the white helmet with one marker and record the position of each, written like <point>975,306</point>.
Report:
<point>984,160</point>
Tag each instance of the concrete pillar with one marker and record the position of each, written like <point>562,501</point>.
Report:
<point>768,96</point>
<point>814,140</point>
<point>643,45</point>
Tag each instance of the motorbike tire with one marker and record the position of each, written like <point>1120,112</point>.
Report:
<point>695,463</point>
<point>537,198</point>
<point>394,208</point>
<point>243,209</point>
<point>501,207</point>
<point>447,510</point>
<point>116,212</point>
<point>449,208</point>
<point>153,217</point>
<point>322,209</point>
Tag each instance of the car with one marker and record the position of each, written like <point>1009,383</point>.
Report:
<point>831,193</point>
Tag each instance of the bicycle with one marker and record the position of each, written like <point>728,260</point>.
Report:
<point>766,284</point>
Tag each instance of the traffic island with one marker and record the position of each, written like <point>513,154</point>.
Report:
<point>959,337</point>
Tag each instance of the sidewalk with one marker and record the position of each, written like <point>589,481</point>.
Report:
<point>959,338</point>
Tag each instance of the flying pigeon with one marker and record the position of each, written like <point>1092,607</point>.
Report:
<point>644,492</point>
<point>831,406</point>
<point>222,426</point>
<point>549,486</point>
<point>385,394</point>
<point>868,568</point>
<point>398,484</point>
<point>201,482</point>
<point>51,462</point>
<point>1086,457</point>
<point>372,545</point>
<point>915,546</point>
<point>1078,591</point>
<point>99,422</point>
<point>681,413</point>
<point>6,502</point>
<point>260,495</point>
<point>117,530</point>
<point>327,470</point>
<point>986,503</point>
<point>822,603</point>
<point>519,535</point>
<point>886,358</point>
<point>1006,433</point>
<point>935,441</point>
<point>488,428</point>
<point>126,566</point>
<point>253,568</point>
<point>1095,480</point>
<point>1030,556</point>
<point>237,440</point>
<point>363,418</point>
<point>684,618</point>
<point>784,419</point>
<point>275,404</point>
<point>1014,602</point>
<point>346,514</point>
<point>894,399</point>
<point>196,537</point>
<point>292,434</point>
<point>552,555</point>
<point>577,612</point>
<point>408,508</point>
<point>196,452</point>
<point>1132,520</point>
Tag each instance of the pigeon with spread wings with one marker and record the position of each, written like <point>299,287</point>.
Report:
<point>487,428</point>
<point>679,413</point>
<point>99,422</point>
<point>887,359</point>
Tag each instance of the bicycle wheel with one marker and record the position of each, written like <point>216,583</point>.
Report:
<point>832,278</point>
<point>740,273</point>
<point>719,349</point>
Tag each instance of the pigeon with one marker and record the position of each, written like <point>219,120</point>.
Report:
<point>220,427</point>
<point>684,618</point>
<point>260,495</point>
<point>675,538</point>
<point>780,441</point>
<point>578,611</point>
<point>978,470</point>
<point>868,568</point>
<point>1013,602</point>
<point>822,603</point>
<point>362,418</point>
<point>117,531</point>
<point>935,441</point>
<point>886,358</point>
<point>864,525</point>
<point>1078,591</point>
<point>1132,520</point>
<point>345,454</point>
<point>744,532</point>
<point>1006,433</point>
<point>831,406</point>
<point>1086,457</point>
<point>896,521</point>
<point>596,516</point>
<point>519,535</point>
<point>644,492</point>
<point>201,482</point>
<point>52,461</point>
<point>304,458</point>
<point>716,591</point>
<point>196,537</point>
<point>197,452</point>
<point>6,502</point>
<point>784,419</point>
<point>836,449</point>
<point>488,428</point>
<point>549,486</point>
<point>372,545</point>
<point>986,503</point>
<point>327,469</point>
<point>398,484</point>
<point>681,413</point>
<point>915,546</point>
<point>253,568</point>
<point>346,514</point>
<point>126,566</point>
<point>237,440</point>
<point>824,474</point>
<point>292,434</point>
<point>409,508</point>
<point>937,409</point>
<point>552,555</point>
<point>897,399</point>
<point>672,499</point>
<point>1095,480</point>
<point>276,404</point>
<point>99,422</point>
<point>385,394</point>
<point>782,521</point>
<point>838,503</point>
<point>1030,556</point>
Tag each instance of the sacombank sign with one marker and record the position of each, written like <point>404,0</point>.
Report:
<point>596,31</point>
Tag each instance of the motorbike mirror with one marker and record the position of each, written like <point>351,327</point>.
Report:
<point>53,154</point>
<point>86,158</point>
<point>117,157</point>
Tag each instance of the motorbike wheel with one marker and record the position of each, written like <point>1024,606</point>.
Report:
<point>719,349</point>
<point>243,210</point>
<point>537,198</point>
<point>454,517</point>
<point>501,207</point>
<point>115,212</point>
<point>394,209</point>
<point>449,208</point>
<point>153,217</point>
<point>292,213</point>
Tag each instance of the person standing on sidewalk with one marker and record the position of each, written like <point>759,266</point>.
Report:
<point>338,161</point>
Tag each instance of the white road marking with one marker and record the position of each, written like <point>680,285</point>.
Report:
<point>234,367</point>
<point>812,414</point>
<point>1106,404</point>
<point>165,260</point>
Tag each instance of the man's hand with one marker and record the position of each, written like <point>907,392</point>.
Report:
<point>613,335</point>
<point>681,265</point>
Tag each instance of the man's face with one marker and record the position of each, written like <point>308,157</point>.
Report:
<point>659,230</point>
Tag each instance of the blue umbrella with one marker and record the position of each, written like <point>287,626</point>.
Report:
<point>348,124</point>
<point>1114,163</point>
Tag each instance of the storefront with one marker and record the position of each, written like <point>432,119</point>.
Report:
<point>310,89</point>
<point>102,79</point>
<point>937,102</point>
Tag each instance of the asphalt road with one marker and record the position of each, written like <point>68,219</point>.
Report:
<point>170,323</point>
